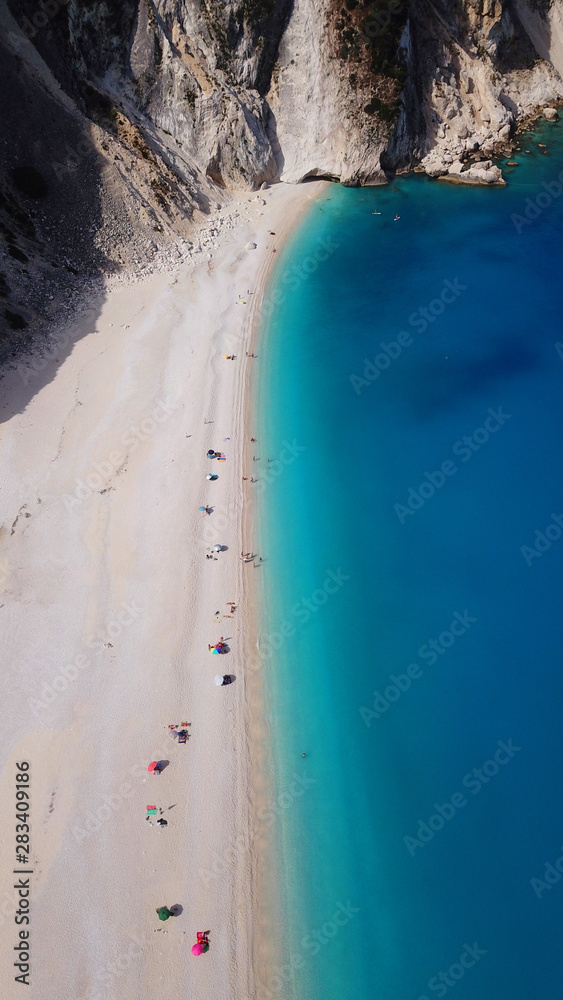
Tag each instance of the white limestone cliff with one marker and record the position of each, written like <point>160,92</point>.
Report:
<point>320,130</point>
<point>144,114</point>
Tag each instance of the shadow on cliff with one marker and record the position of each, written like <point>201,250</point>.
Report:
<point>50,212</point>
<point>272,134</point>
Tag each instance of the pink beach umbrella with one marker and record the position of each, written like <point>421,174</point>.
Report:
<point>197,949</point>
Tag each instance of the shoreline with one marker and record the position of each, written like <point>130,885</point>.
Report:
<point>263,951</point>
<point>108,604</point>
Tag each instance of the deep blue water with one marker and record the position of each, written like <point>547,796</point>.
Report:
<point>360,583</point>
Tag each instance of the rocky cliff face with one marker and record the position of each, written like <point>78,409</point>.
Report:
<point>366,88</point>
<point>141,114</point>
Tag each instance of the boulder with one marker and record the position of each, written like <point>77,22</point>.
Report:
<point>477,173</point>
<point>550,114</point>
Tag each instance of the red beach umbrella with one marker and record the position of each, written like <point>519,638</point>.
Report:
<point>152,765</point>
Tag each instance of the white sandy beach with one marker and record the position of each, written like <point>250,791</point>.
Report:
<point>107,606</point>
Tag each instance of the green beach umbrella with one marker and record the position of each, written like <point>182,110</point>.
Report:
<point>163,913</point>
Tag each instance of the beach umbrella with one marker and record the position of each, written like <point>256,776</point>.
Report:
<point>215,651</point>
<point>152,765</point>
<point>163,912</point>
<point>217,548</point>
<point>197,949</point>
<point>218,680</point>
<point>173,734</point>
<point>202,508</point>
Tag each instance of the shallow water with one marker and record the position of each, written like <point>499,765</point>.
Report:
<point>357,582</point>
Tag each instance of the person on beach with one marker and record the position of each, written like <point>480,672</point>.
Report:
<point>162,822</point>
<point>252,479</point>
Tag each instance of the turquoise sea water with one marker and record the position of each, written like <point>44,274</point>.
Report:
<point>405,868</point>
